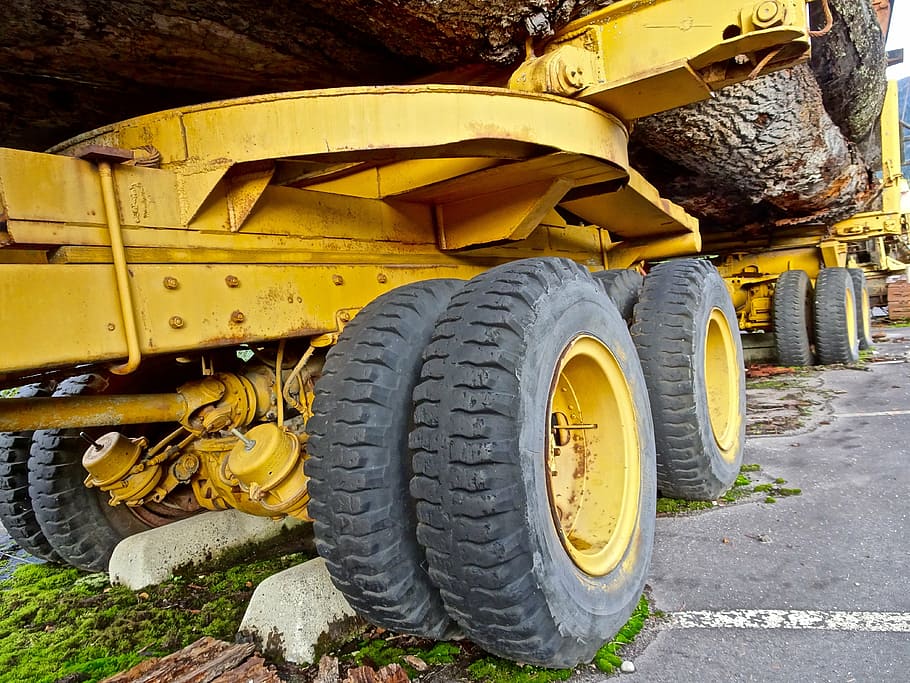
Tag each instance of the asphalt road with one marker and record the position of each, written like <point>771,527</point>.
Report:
<point>814,587</point>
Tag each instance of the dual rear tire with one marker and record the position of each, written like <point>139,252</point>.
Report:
<point>531,461</point>
<point>829,323</point>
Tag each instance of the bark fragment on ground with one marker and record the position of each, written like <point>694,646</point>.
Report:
<point>206,660</point>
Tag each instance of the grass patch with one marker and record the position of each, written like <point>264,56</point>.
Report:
<point>607,658</point>
<point>60,622</point>
<point>677,506</point>
<point>768,384</point>
<point>495,670</point>
<point>378,653</point>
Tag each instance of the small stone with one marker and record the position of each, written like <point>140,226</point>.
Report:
<point>627,667</point>
<point>416,662</point>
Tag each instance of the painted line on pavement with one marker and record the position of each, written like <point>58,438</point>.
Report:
<point>815,620</point>
<point>881,413</point>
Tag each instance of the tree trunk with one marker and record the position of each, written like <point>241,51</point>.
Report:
<point>790,148</point>
<point>765,151</point>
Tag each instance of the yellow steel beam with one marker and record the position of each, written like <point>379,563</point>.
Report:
<point>752,265</point>
<point>634,211</point>
<point>891,152</point>
<point>59,315</point>
<point>376,124</point>
<point>634,58</point>
<point>864,226</point>
<point>834,253</point>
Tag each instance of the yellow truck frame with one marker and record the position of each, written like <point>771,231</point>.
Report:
<point>753,271</point>
<point>374,308</point>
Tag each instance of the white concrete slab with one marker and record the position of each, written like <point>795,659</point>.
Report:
<point>153,556</point>
<point>296,614</point>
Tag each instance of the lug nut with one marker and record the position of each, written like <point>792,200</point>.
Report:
<point>176,322</point>
<point>171,282</point>
<point>232,281</point>
<point>237,317</point>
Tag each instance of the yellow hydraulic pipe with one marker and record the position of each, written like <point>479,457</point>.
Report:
<point>120,270</point>
<point>20,414</point>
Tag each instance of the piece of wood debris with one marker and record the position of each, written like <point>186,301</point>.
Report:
<point>205,661</point>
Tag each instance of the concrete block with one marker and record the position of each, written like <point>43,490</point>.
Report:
<point>153,556</point>
<point>297,614</point>
<point>759,348</point>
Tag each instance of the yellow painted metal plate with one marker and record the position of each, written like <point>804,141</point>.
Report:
<point>382,123</point>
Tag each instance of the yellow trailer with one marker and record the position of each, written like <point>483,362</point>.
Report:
<point>810,286</point>
<point>385,310</point>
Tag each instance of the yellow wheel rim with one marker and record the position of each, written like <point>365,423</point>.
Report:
<point>867,331</point>
<point>722,383</point>
<point>850,304</point>
<point>593,456</point>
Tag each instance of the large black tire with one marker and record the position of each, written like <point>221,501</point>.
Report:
<point>793,318</point>
<point>623,286</point>
<point>688,340</point>
<point>359,465</point>
<point>16,511</point>
<point>836,338</point>
<point>863,309</point>
<point>77,521</point>
<point>484,482</point>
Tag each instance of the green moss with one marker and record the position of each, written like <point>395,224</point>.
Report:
<point>441,653</point>
<point>780,481</point>
<point>56,622</point>
<point>378,652</point>
<point>495,670</point>
<point>763,488</point>
<point>754,467</point>
<point>607,658</point>
<point>768,384</point>
<point>770,500</point>
<point>741,480</point>
<point>9,393</point>
<point>735,494</point>
<point>789,492</point>
<point>676,506</point>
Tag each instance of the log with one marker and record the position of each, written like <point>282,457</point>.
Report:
<point>781,149</point>
<point>205,661</point>
<point>758,154</point>
<point>791,148</point>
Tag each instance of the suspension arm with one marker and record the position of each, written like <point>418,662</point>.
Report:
<point>640,57</point>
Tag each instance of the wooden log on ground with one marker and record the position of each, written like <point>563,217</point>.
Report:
<point>205,661</point>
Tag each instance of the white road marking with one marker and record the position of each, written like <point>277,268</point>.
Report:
<point>881,413</point>
<point>816,620</point>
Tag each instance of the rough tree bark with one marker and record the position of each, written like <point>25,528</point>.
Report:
<point>792,147</point>
<point>71,65</point>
